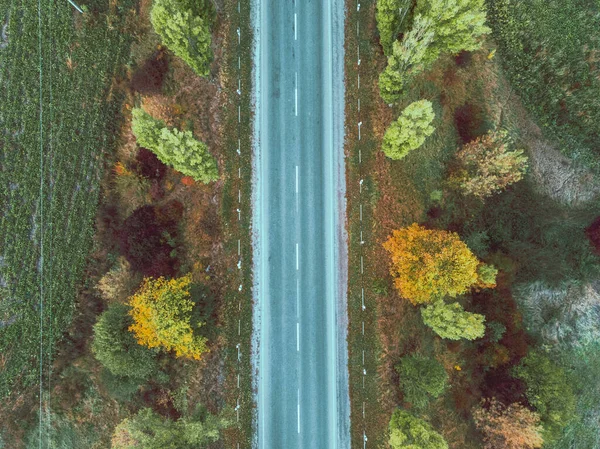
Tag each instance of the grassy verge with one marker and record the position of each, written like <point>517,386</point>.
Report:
<point>237,228</point>
<point>362,194</point>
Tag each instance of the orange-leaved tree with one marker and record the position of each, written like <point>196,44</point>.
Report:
<point>161,311</point>
<point>508,427</point>
<point>430,264</point>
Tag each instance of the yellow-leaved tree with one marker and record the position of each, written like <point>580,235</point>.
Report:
<point>430,264</point>
<point>161,311</point>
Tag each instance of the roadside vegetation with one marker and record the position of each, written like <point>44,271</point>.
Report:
<point>137,351</point>
<point>480,254</point>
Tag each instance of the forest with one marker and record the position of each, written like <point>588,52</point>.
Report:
<point>479,137</point>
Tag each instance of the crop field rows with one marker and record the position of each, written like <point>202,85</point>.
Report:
<point>58,123</point>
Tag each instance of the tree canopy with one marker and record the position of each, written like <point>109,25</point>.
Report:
<point>410,432</point>
<point>430,264</point>
<point>389,17</point>
<point>147,430</point>
<point>409,131</point>
<point>439,26</point>
<point>548,390</point>
<point>184,32</point>
<point>452,322</point>
<point>406,60</point>
<point>457,25</point>
<point>179,149</point>
<point>421,378</point>
<point>116,348</point>
<point>161,312</point>
<point>488,165</point>
<point>508,427</point>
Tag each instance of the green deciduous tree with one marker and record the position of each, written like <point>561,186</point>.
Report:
<point>147,430</point>
<point>115,347</point>
<point>178,149</point>
<point>457,25</point>
<point>488,165</point>
<point>406,60</point>
<point>410,432</point>
<point>409,131</point>
<point>389,17</point>
<point>549,391</point>
<point>452,322</point>
<point>184,32</point>
<point>421,378</point>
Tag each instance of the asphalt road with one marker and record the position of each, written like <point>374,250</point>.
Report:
<point>300,321</point>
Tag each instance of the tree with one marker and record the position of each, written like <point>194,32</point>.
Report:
<point>421,378</point>
<point>389,17</point>
<point>115,347</point>
<point>161,312</point>
<point>457,25</point>
<point>409,131</point>
<point>430,264</point>
<point>548,390</point>
<point>486,275</point>
<point>147,430</point>
<point>452,322</point>
<point>186,34</point>
<point>488,165</point>
<point>410,432</point>
<point>178,149</point>
<point>508,427</point>
<point>406,60</point>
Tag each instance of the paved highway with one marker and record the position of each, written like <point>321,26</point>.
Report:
<point>300,315</point>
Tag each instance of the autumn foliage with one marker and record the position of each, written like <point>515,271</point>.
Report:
<point>430,264</point>
<point>161,312</point>
<point>488,165</point>
<point>508,427</point>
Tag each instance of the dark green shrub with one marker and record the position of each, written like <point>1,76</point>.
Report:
<point>421,379</point>
<point>116,348</point>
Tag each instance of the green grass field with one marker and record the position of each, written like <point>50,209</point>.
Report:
<point>50,172</point>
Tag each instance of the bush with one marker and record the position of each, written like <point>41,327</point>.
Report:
<point>119,282</point>
<point>508,427</point>
<point>146,242</point>
<point>161,312</point>
<point>430,264</point>
<point>149,78</point>
<point>488,165</point>
<point>185,33</point>
<point>115,347</point>
<point>549,391</point>
<point>452,322</point>
<point>148,165</point>
<point>120,388</point>
<point>147,430</point>
<point>409,432</point>
<point>178,149</point>
<point>421,379</point>
<point>409,131</point>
